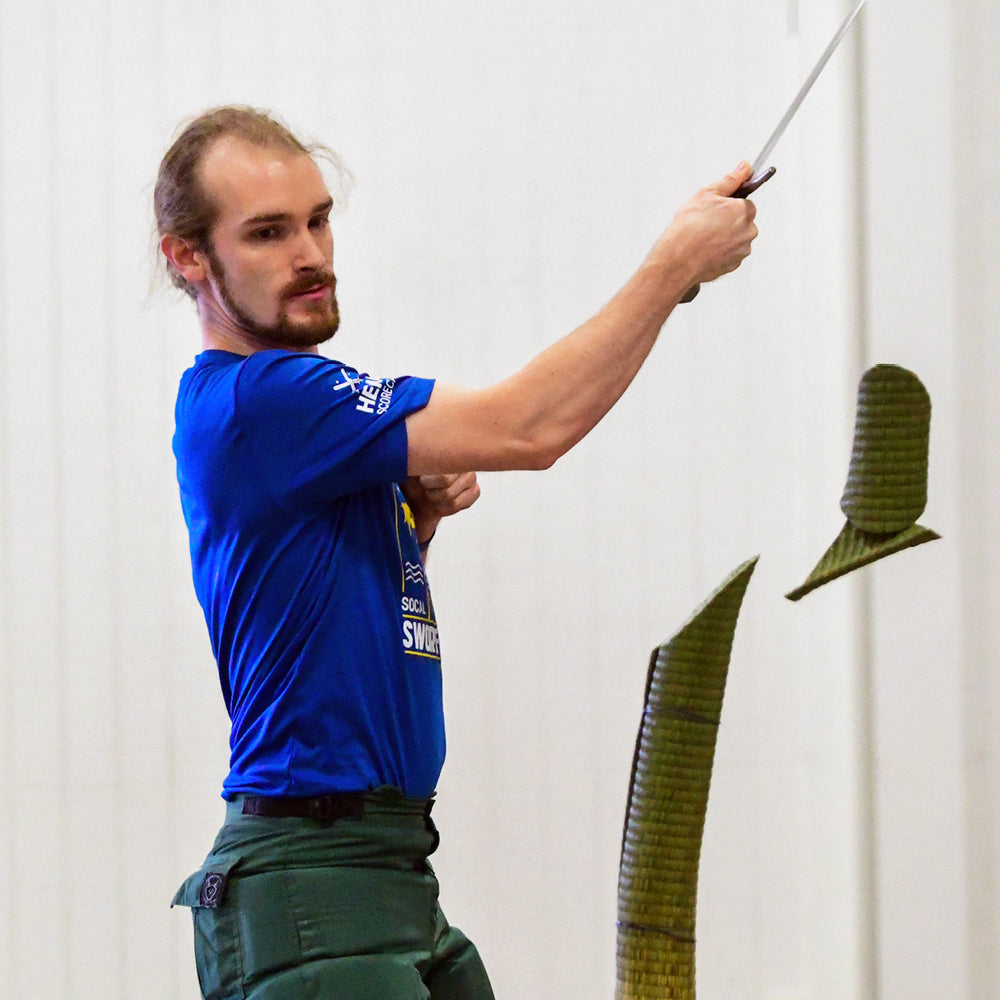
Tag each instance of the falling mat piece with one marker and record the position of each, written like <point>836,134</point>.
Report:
<point>668,797</point>
<point>886,489</point>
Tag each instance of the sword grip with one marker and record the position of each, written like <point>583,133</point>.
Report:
<point>743,191</point>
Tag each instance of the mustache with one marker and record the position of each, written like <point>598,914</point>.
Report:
<point>323,278</point>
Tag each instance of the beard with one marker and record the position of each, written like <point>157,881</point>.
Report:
<point>320,327</point>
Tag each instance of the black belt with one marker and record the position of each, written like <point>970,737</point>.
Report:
<point>326,807</point>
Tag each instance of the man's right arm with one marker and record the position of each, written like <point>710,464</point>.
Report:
<point>537,415</point>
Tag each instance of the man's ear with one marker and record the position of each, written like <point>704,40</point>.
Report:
<point>187,261</point>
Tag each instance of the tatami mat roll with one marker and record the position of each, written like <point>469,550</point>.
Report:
<point>668,798</point>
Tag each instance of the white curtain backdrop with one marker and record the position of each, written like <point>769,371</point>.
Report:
<point>513,163</point>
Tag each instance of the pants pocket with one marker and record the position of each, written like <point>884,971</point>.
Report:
<point>258,935</point>
<point>266,925</point>
<point>210,894</point>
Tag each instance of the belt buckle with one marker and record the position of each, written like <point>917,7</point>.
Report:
<point>323,807</point>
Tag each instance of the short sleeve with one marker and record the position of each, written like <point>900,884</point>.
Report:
<point>318,429</point>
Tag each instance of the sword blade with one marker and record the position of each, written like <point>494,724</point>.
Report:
<point>761,160</point>
<point>760,173</point>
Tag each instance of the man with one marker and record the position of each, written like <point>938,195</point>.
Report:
<point>311,493</point>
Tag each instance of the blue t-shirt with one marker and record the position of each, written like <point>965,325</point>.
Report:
<point>306,565</point>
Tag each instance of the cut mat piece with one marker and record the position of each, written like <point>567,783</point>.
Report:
<point>854,549</point>
<point>886,489</point>
<point>668,799</point>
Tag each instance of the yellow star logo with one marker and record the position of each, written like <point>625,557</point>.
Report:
<point>408,515</point>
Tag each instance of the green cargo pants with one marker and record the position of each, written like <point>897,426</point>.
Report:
<point>311,909</point>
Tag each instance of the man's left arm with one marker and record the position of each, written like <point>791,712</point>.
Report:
<point>433,497</point>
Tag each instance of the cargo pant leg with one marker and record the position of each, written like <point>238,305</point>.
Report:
<point>457,971</point>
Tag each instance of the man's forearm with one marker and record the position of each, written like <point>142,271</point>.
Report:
<point>569,388</point>
<point>534,417</point>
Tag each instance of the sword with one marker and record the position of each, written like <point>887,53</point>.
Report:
<point>759,174</point>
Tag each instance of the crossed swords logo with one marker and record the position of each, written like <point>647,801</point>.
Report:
<point>349,382</point>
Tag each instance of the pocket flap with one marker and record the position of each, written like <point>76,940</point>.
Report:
<point>207,887</point>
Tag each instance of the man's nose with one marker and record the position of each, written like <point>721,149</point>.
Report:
<point>310,254</point>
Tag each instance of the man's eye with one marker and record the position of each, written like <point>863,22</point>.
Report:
<point>320,222</point>
<point>266,234</point>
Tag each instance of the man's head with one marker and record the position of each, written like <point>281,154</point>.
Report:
<point>243,216</point>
